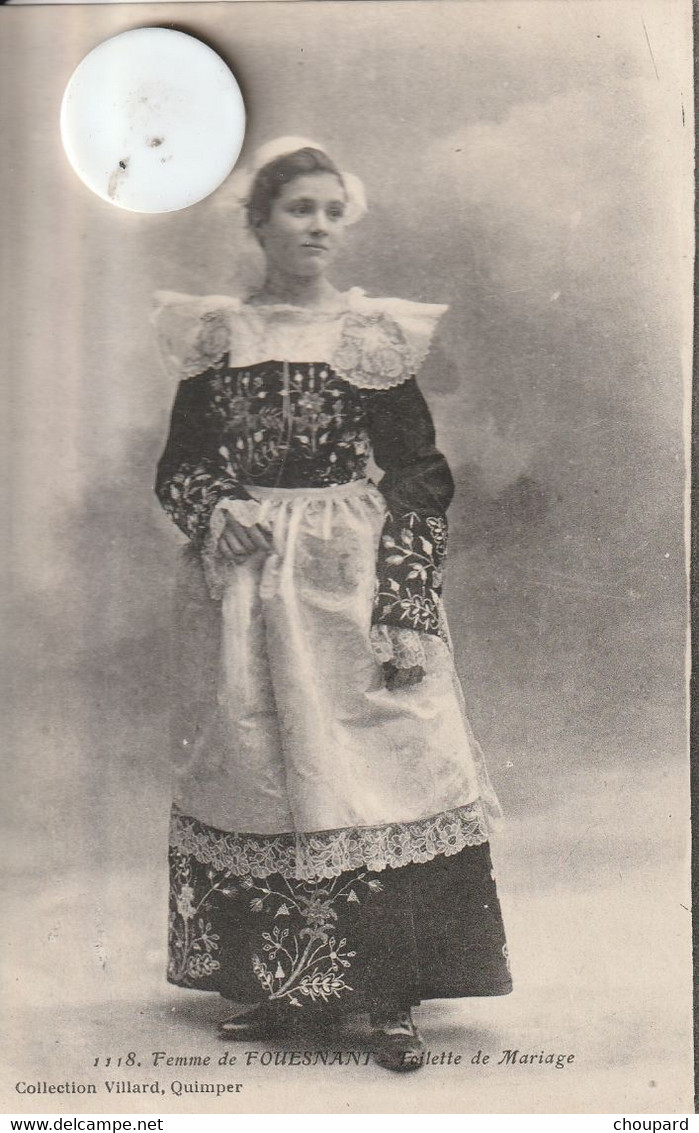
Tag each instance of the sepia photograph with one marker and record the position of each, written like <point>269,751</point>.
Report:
<point>346,604</point>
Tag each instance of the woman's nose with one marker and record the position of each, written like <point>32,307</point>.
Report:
<point>319,222</point>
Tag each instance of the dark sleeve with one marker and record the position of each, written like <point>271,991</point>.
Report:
<point>193,473</point>
<point>418,488</point>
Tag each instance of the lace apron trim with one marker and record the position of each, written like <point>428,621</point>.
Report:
<point>328,853</point>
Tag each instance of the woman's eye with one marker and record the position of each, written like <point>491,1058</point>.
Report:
<point>336,213</point>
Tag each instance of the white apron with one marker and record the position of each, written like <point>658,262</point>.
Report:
<point>285,726</point>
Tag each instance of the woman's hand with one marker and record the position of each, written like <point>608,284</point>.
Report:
<point>238,543</point>
<point>401,678</point>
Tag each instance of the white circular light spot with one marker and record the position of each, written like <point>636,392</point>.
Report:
<point>152,120</point>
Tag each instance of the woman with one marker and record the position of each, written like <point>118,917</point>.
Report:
<point>329,847</point>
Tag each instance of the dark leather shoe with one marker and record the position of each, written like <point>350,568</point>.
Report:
<point>398,1045</point>
<point>262,1021</point>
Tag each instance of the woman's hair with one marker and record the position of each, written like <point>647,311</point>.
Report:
<point>271,179</point>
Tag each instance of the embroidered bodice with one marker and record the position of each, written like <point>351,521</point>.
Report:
<point>290,397</point>
<point>286,425</point>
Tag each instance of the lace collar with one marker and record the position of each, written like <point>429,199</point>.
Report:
<point>373,343</point>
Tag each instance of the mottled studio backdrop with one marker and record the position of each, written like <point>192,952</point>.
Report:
<point>528,165</point>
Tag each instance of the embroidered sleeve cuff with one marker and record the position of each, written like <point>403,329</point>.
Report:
<point>409,572</point>
<point>190,495</point>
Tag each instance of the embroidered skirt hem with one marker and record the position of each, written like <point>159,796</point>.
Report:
<point>361,941</point>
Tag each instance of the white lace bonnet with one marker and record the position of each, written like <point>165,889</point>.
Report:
<point>242,180</point>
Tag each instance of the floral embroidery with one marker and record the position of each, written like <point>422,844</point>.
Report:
<point>305,958</point>
<point>309,945</point>
<point>303,419</point>
<point>193,943</point>
<point>300,956</point>
<point>410,574</point>
<point>438,530</point>
<point>191,493</point>
<point>326,854</point>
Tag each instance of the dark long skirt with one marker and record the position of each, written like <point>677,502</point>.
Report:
<point>360,941</point>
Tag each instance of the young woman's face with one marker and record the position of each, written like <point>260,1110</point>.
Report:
<point>306,225</point>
